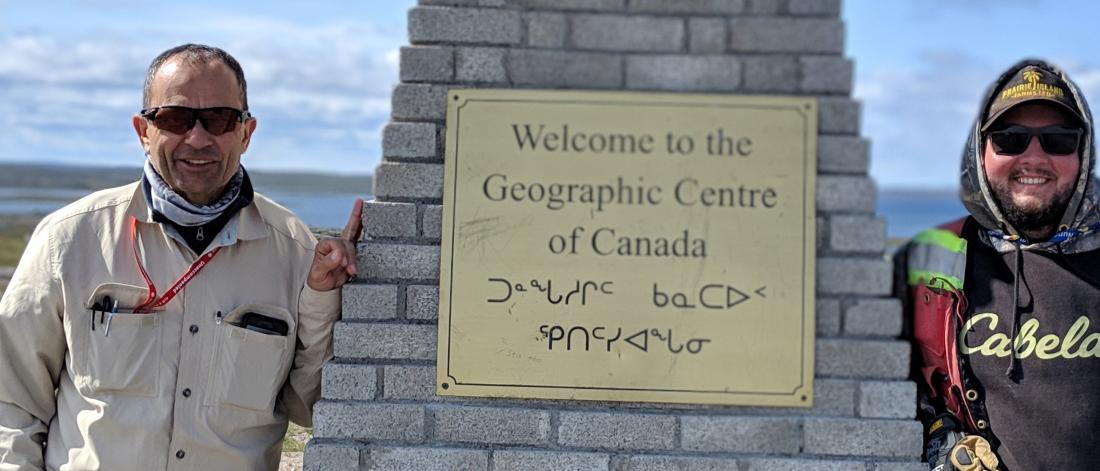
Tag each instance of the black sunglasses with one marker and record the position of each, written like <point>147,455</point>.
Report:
<point>180,119</point>
<point>1056,140</point>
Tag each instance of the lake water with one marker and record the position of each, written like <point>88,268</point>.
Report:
<point>909,212</point>
<point>316,209</point>
<point>906,212</point>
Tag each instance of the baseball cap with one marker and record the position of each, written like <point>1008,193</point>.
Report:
<point>1032,83</point>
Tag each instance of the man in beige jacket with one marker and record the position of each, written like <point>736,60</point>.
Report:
<point>177,322</point>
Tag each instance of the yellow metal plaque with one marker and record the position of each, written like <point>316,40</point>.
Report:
<point>628,247</point>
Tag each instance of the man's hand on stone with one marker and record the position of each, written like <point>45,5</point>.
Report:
<point>334,259</point>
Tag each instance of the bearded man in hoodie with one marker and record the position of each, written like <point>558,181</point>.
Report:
<point>1002,305</point>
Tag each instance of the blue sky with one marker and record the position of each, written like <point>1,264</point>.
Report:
<point>321,72</point>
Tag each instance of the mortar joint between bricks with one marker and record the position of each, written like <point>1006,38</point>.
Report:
<point>678,433</point>
<point>555,424</point>
<point>440,145</point>
<point>419,220</point>
<point>388,322</point>
<point>398,281</point>
<point>402,301</point>
<point>615,462</point>
<point>567,41</point>
<point>380,382</point>
<point>622,72</point>
<point>365,458</point>
<point>821,213</point>
<point>414,160</point>
<point>429,426</point>
<point>524,42</point>
<point>399,241</point>
<point>506,60</point>
<point>859,398</point>
<point>685,41</point>
<point>406,199</point>
<point>742,72</point>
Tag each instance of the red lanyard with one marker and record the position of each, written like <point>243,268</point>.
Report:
<point>151,302</point>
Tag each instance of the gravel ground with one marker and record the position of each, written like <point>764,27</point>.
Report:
<point>293,445</point>
<point>291,462</point>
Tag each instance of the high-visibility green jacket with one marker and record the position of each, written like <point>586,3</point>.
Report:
<point>935,272</point>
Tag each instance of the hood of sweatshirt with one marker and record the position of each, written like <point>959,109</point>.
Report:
<point>1078,226</point>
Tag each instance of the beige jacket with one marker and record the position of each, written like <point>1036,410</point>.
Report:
<point>179,389</point>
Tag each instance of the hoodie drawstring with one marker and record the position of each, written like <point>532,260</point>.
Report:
<point>1015,372</point>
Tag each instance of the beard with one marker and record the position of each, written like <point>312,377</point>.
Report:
<point>1031,217</point>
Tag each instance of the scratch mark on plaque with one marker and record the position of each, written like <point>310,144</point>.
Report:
<point>478,233</point>
<point>475,231</point>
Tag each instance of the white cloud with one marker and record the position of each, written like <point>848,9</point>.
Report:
<point>313,87</point>
<point>918,115</point>
<point>1087,79</point>
<point>940,8</point>
<point>49,60</point>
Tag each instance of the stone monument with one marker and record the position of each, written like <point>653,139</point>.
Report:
<point>380,408</point>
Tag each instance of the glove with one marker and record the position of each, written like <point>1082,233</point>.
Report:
<point>973,453</point>
<point>942,435</point>
<point>948,449</point>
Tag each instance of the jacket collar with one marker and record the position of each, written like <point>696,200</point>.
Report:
<point>249,224</point>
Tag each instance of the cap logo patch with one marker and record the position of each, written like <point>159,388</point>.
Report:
<point>1033,88</point>
<point>1032,76</point>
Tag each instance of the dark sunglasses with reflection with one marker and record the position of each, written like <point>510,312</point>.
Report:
<point>1058,139</point>
<point>180,119</point>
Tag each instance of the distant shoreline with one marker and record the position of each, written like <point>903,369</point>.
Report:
<point>92,178</point>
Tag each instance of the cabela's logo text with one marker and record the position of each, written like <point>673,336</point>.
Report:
<point>1076,343</point>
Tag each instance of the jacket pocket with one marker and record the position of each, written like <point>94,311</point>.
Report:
<point>124,360</point>
<point>249,367</point>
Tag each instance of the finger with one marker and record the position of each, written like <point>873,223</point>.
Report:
<point>325,267</point>
<point>351,253</point>
<point>327,261</point>
<point>324,247</point>
<point>334,260</point>
<point>354,228</point>
<point>347,253</point>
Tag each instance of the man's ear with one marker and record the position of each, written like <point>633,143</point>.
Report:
<point>249,128</point>
<point>141,127</point>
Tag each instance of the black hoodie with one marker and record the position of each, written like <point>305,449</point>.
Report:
<point>1039,389</point>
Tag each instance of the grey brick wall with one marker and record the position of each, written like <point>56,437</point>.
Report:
<point>379,409</point>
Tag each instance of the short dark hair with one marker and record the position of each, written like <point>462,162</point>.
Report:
<point>197,54</point>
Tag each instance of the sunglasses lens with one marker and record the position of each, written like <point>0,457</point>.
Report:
<point>218,121</point>
<point>1055,140</point>
<point>180,119</point>
<point>174,120</point>
<point>1010,141</point>
<point>1059,141</point>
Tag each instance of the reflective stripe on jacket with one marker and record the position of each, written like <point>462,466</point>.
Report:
<point>935,273</point>
<point>182,388</point>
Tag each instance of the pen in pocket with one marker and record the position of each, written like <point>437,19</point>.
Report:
<point>107,308</point>
<point>111,315</point>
